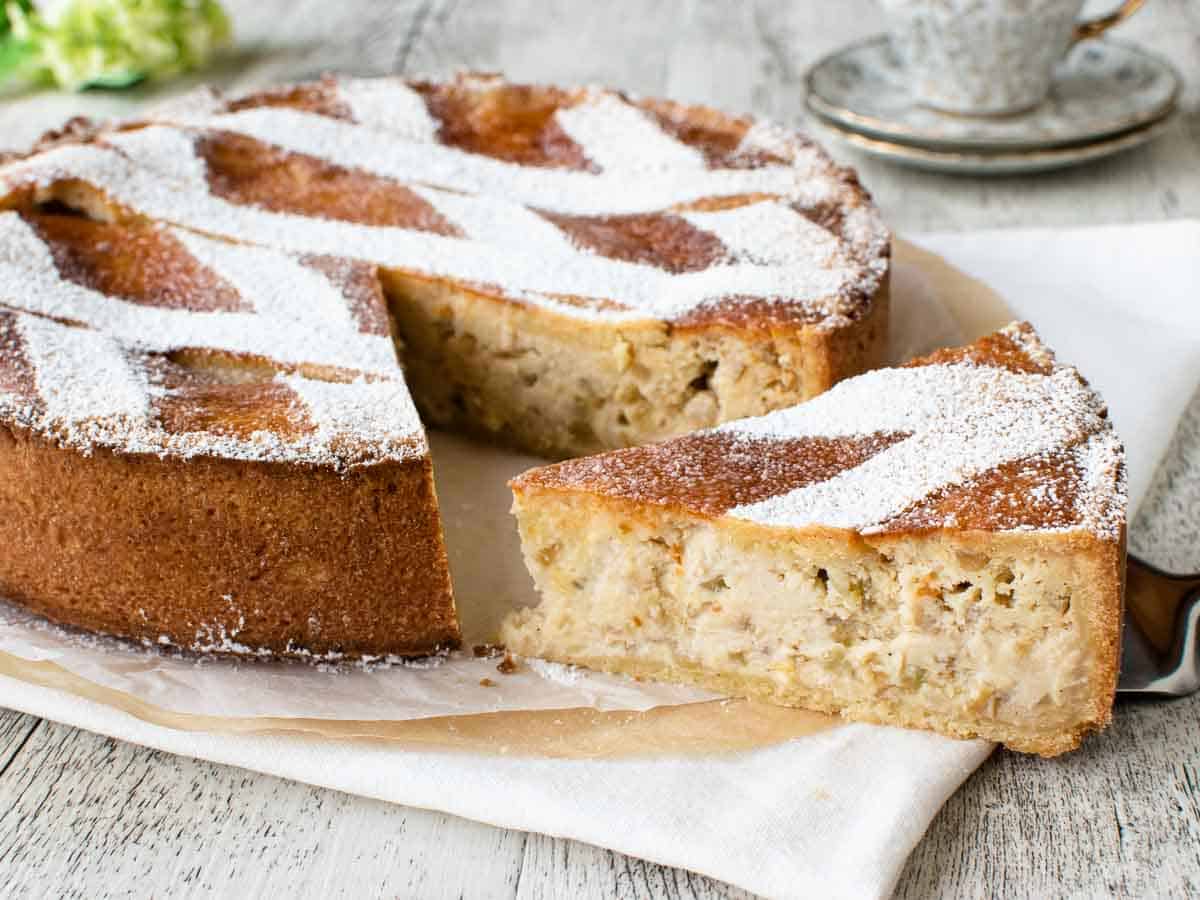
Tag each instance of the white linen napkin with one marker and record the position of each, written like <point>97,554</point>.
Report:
<point>833,814</point>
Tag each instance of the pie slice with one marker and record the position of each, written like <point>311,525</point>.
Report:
<point>937,546</point>
<point>570,270</point>
<point>211,447</point>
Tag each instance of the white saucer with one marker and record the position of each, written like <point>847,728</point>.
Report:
<point>1101,89</point>
<point>1011,162</point>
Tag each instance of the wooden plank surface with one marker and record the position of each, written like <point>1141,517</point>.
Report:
<point>82,815</point>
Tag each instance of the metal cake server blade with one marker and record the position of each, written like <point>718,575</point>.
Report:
<point>1160,643</point>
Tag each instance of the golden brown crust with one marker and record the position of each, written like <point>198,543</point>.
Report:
<point>1037,492</point>
<point>1009,349</point>
<point>137,262</point>
<point>512,122</point>
<point>190,522</point>
<point>708,473</point>
<point>662,240</point>
<point>1106,618</point>
<point>226,555</point>
<point>361,286</point>
<point>317,96</point>
<point>857,346</point>
<point>252,173</point>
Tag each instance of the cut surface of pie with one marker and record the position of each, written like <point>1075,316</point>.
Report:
<point>937,546</point>
<point>569,270</point>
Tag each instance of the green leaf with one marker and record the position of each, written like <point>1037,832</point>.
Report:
<point>14,56</point>
<point>116,80</point>
<point>113,43</point>
<point>25,6</point>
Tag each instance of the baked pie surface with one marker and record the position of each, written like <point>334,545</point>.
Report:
<point>569,270</point>
<point>939,545</point>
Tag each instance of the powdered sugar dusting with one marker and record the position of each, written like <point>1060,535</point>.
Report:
<point>963,420</point>
<point>300,319</point>
<point>962,425</point>
<point>103,388</point>
<point>95,393</point>
<point>529,273</point>
<point>778,254</point>
<point>201,101</point>
<point>169,151</point>
<point>768,137</point>
<point>771,234</point>
<point>614,192</point>
<point>556,672</point>
<point>1102,461</point>
<point>278,286</point>
<point>490,221</point>
<point>620,137</point>
<point>378,416</point>
<point>84,379</point>
<point>389,105</point>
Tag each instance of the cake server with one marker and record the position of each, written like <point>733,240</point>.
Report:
<point>1160,646</point>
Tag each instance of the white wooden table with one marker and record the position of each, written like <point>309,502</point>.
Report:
<point>82,815</point>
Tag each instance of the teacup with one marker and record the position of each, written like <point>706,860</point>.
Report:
<point>988,57</point>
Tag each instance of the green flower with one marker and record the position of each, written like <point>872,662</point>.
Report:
<point>108,43</point>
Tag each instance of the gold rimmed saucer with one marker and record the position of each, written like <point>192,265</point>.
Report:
<point>1009,162</point>
<point>1101,89</point>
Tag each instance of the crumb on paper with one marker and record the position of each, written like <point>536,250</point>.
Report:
<point>508,665</point>
<point>488,651</point>
<point>487,682</point>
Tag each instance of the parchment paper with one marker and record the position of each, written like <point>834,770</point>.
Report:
<point>464,702</point>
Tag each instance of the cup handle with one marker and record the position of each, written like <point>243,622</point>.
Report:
<point>1095,27</point>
